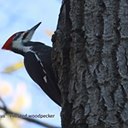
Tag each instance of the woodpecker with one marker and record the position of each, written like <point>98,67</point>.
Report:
<point>37,61</point>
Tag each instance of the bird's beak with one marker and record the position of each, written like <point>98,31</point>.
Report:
<point>29,33</point>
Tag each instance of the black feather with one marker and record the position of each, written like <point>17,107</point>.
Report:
<point>38,65</point>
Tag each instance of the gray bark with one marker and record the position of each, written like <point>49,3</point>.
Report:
<point>90,57</point>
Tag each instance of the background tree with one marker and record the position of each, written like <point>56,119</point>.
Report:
<point>90,55</point>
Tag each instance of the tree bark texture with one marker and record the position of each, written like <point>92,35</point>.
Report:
<point>90,57</point>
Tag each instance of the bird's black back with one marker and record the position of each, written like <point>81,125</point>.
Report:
<point>38,65</point>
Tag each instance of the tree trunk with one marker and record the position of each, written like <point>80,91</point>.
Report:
<point>90,57</point>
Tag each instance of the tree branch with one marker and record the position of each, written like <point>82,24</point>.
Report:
<point>9,112</point>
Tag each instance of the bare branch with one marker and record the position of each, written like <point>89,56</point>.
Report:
<point>9,112</point>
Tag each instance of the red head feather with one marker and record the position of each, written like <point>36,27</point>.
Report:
<point>8,44</point>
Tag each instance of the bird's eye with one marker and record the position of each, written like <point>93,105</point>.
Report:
<point>17,35</point>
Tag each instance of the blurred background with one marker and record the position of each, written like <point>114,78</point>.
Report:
<point>17,90</point>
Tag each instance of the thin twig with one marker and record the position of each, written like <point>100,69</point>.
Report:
<point>9,112</point>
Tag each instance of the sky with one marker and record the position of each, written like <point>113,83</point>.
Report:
<point>18,16</point>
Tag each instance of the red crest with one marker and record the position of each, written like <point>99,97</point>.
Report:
<point>8,44</point>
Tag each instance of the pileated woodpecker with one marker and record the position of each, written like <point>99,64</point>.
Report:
<point>37,61</point>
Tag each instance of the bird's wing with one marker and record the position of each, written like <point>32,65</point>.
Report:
<point>40,73</point>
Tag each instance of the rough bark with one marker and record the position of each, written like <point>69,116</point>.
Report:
<point>90,57</point>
